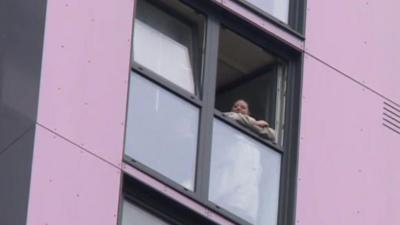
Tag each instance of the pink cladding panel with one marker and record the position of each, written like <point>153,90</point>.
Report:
<point>348,162</point>
<point>70,185</point>
<point>85,72</point>
<point>360,39</point>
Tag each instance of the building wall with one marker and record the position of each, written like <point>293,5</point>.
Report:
<point>348,161</point>
<point>76,170</point>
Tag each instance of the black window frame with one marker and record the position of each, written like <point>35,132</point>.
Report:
<point>296,16</point>
<point>216,17</point>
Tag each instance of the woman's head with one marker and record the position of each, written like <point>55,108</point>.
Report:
<point>241,106</point>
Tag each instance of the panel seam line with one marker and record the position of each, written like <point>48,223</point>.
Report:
<point>351,78</point>
<point>80,147</point>
<point>17,139</point>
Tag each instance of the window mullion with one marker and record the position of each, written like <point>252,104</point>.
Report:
<point>207,112</point>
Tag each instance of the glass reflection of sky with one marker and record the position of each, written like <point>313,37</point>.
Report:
<point>245,176</point>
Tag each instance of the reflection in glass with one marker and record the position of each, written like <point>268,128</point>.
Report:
<point>165,44</point>
<point>162,131</point>
<point>132,215</point>
<point>244,176</point>
<point>277,8</point>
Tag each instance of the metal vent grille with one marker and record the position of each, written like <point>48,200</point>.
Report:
<point>391,117</point>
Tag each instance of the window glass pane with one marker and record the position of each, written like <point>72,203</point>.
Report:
<point>247,71</point>
<point>244,176</point>
<point>133,215</point>
<point>277,8</point>
<point>169,45</point>
<point>162,131</point>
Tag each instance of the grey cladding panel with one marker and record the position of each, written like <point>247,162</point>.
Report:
<point>15,172</point>
<point>21,42</point>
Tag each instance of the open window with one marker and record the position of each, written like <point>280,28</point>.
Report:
<point>247,71</point>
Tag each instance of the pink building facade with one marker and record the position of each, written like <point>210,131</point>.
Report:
<point>64,93</point>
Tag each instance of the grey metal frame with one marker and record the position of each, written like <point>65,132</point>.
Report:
<point>217,16</point>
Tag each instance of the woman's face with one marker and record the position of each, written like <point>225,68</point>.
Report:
<point>241,107</point>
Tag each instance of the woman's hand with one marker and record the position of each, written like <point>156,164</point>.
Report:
<point>262,123</point>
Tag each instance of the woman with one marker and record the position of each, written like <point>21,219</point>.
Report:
<point>240,112</point>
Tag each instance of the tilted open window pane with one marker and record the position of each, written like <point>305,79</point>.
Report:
<point>244,175</point>
<point>132,215</point>
<point>162,131</point>
<point>248,72</point>
<point>169,42</point>
<point>277,8</point>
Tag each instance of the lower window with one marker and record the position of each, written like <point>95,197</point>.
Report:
<point>145,206</point>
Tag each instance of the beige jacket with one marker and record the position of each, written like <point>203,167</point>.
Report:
<point>250,122</point>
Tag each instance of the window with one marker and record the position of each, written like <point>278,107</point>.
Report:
<point>180,35</point>
<point>277,8</point>
<point>249,72</point>
<point>164,135</point>
<point>244,175</point>
<point>145,206</point>
<point>287,13</point>
<point>134,214</point>
<point>191,62</point>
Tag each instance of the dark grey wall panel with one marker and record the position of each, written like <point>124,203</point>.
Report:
<point>15,172</point>
<point>21,42</point>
